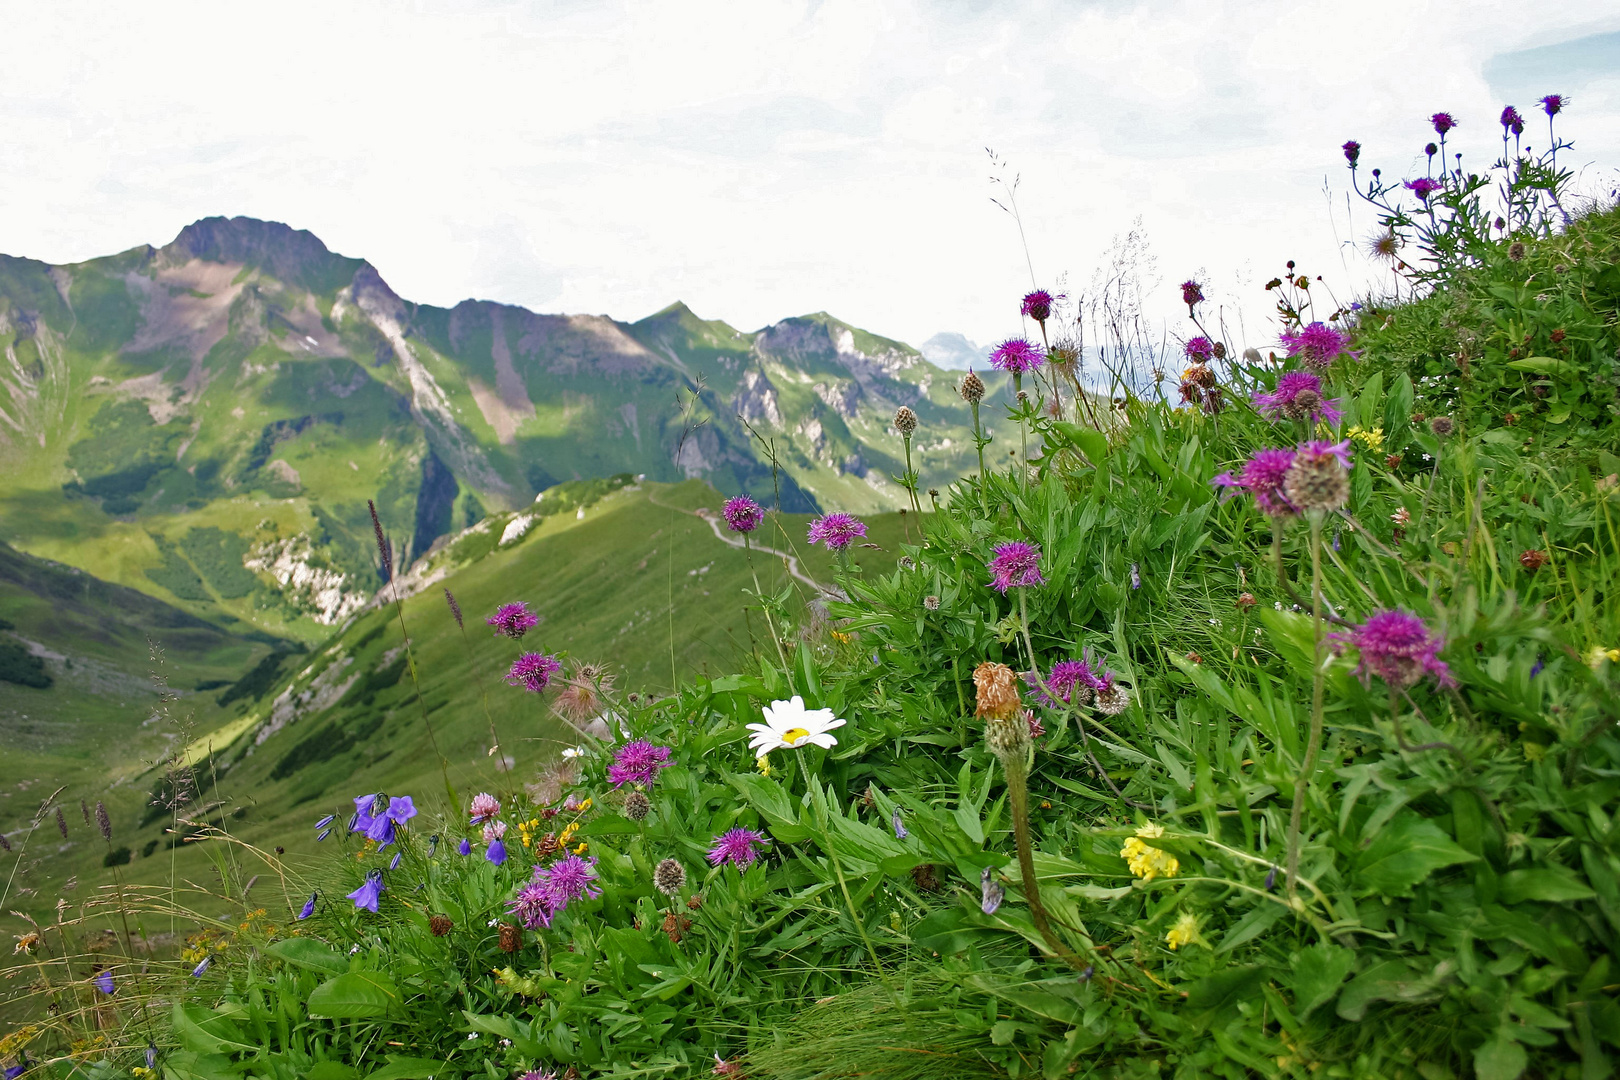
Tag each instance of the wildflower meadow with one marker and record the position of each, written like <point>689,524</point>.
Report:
<point>1256,721</point>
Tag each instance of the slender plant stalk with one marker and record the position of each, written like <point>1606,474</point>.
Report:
<point>770,623</point>
<point>978,441</point>
<point>1016,769</point>
<point>1318,686</point>
<point>911,478</point>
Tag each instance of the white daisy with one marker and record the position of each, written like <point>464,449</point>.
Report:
<point>574,752</point>
<point>789,725</point>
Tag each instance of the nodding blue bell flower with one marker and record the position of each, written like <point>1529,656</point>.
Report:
<point>202,968</point>
<point>365,807</point>
<point>365,897</point>
<point>1271,879</point>
<point>899,826</point>
<point>990,894</point>
<point>325,821</point>
<point>1090,970</point>
<point>151,1055</point>
<point>496,852</point>
<point>309,906</point>
<point>433,844</point>
<point>465,847</point>
<point>104,982</point>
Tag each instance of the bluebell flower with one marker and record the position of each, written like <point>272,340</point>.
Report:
<point>16,1070</point>
<point>465,847</point>
<point>393,864</point>
<point>364,807</point>
<point>899,826</point>
<point>381,830</point>
<point>496,852</point>
<point>104,982</point>
<point>365,897</point>
<point>1537,667</point>
<point>325,821</point>
<point>322,835</point>
<point>1271,879</point>
<point>309,906</point>
<point>151,1055</point>
<point>401,810</point>
<point>433,844</point>
<point>1090,970</point>
<point>202,968</point>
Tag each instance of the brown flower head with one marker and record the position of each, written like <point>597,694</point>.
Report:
<point>440,925</point>
<point>1516,251</point>
<point>1533,560</point>
<point>547,846</point>
<point>997,692</point>
<point>905,421</point>
<point>581,698</point>
<point>511,938</point>
<point>669,877</point>
<point>694,902</point>
<point>1318,479</point>
<point>972,389</point>
<point>637,806</point>
<point>1442,426</point>
<point>676,926</point>
<point>1245,601</point>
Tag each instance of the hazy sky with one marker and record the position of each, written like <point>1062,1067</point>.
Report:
<point>763,159</point>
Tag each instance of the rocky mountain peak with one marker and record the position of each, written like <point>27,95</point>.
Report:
<point>295,256</point>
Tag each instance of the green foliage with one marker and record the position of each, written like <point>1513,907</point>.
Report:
<point>18,665</point>
<point>217,556</point>
<point>176,574</point>
<point>260,678</point>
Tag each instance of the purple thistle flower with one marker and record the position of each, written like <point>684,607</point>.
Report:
<point>1443,122</point>
<point>836,530</point>
<point>533,671</point>
<point>1192,293</point>
<point>1200,350</point>
<point>1071,680</point>
<point>569,878</point>
<point>736,846</point>
<point>743,514</point>
<point>1038,305</point>
<point>1016,565</point>
<point>1395,645</point>
<point>365,897</point>
<point>990,894</point>
<point>1322,448</point>
<point>1262,477</point>
<point>1553,104</point>
<point>309,907</point>
<point>104,982</point>
<point>1298,397</point>
<point>1352,152</point>
<point>496,852</point>
<point>1016,356</point>
<point>455,608</point>
<point>1423,187</point>
<point>465,847</point>
<point>638,762</point>
<point>536,1074</point>
<point>201,969</point>
<point>1316,345</point>
<point>513,620</point>
<point>534,906</point>
<point>1512,121</point>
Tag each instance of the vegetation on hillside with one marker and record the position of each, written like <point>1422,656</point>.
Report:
<point>1266,732</point>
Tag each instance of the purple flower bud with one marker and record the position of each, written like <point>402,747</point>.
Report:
<point>899,826</point>
<point>990,894</point>
<point>309,906</point>
<point>202,968</point>
<point>1352,152</point>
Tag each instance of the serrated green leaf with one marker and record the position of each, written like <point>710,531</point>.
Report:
<point>1408,850</point>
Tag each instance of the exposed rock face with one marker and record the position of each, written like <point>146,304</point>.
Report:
<point>757,400</point>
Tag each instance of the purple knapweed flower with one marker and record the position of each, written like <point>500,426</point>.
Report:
<point>1512,121</point>
<point>1038,305</point>
<point>1200,350</point>
<point>534,906</point>
<point>365,897</point>
<point>1321,448</point>
<point>465,847</point>
<point>743,514</point>
<point>1316,345</point>
<point>1352,152</point>
<point>1298,397</point>
<point>1071,681</point>
<point>1443,122</point>
<point>104,982</point>
<point>1016,356</point>
<point>1431,149</point>
<point>1262,477</point>
<point>1192,293</point>
<point>736,846</point>
<point>1016,565</point>
<point>569,878</point>
<point>309,907</point>
<point>484,808</point>
<point>1423,187</point>
<point>836,530</point>
<point>537,1074</point>
<point>1553,104</point>
<point>638,762</point>
<point>1395,645</point>
<point>533,671</point>
<point>513,620</point>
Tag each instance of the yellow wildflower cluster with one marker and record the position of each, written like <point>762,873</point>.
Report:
<point>763,763</point>
<point>1185,932</point>
<point>18,1039</point>
<point>528,830</point>
<point>1373,440</point>
<point>1147,862</point>
<point>1595,658</point>
<point>205,942</point>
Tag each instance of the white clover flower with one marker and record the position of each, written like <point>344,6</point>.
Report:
<point>789,725</point>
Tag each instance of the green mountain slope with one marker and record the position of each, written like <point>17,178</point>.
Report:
<point>205,421</point>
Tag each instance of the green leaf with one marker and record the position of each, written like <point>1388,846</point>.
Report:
<point>331,1070</point>
<point>1090,441</point>
<point>1212,994</point>
<point>1318,973</point>
<point>1408,850</point>
<point>773,804</point>
<point>408,1068</point>
<point>354,995</point>
<point>309,953</point>
<point>1550,882</point>
<point>204,1031</point>
<point>1500,1059</point>
<point>1541,364</point>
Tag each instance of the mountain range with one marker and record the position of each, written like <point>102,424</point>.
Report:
<point>205,421</point>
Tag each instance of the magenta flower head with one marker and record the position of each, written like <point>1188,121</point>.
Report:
<point>1512,121</point>
<point>513,620</point>
<point>1071,681</point>
<point>484,808</point>
<point>737,847</point>
<point>1553,104</point>
<point>1038,305</point>
<point>535,905</point>
<point>837,530</point>
<point>1423,187</point>
<point>1016,356</point>
<point>533,671</point>
<point>1443,122</point>
<point>1200,350</point>
<point>1396,646</point>
<point>1316,345</point>
<point>1298,397</point>
<point>743,514</point>
<point>569,878</point>
<point>1016,565</point>
<point>365,897</point>
<point>1262,477</point>
<point>1192,293</point>
<point>1352,152</point>
<point>638,762</point>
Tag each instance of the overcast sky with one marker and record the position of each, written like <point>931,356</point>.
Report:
<point>763,159</point>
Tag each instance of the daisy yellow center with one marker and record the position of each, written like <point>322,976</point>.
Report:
<point>795,735</point>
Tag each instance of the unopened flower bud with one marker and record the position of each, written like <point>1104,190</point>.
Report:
<point>972,388</point>
<point>1442,426</point>
<point>905,421</point>
<point>669,877</point>
<point>637,806</point>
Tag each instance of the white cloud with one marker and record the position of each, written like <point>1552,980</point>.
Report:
<point>756,159</point>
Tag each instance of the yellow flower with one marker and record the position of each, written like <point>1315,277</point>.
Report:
<point>839,635</point>
<point>582,848</point>
<point>568,832</point>
<point>142,1070</point>
<point>1534,751</point>
<point>1148,862</point>
<point>763,763</point>
<point>1373,440</point>
<point>1595,658</point>
<point>26,943</point>
<point>584,806</point>
<point>1185,932</point>
<point>18,1039</point>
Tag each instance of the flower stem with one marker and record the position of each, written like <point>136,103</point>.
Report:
<point>979,441</point>
<point>911,478</point>
<point>1318,687</point>
<point>770,623</point>
<point>1015,767</point>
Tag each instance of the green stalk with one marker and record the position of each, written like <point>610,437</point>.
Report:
<point>978,441</point>
<point>911,479</point>
<point>1023,434</point>
<point>769,622</point>
<point>1318,687</point>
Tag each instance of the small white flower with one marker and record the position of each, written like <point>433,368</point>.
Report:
<point>492,922</point>
<point>574,752</point>
<point>1277,605</point>
<point>1426,457</point>
<point>354,949</point>
<point>789,725</point>
<point>1214,622</point>
<point>471,1035</point>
